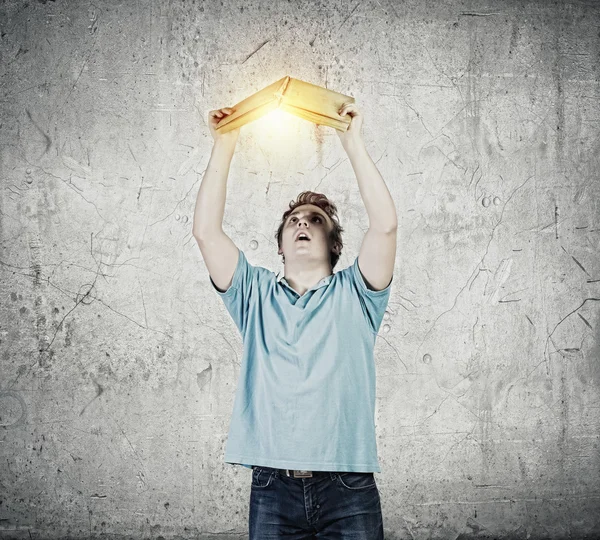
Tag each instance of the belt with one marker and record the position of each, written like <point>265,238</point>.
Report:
<point>295,473</point>
<point>301,474</point>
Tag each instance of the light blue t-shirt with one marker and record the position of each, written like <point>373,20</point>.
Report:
<point>305,396</point>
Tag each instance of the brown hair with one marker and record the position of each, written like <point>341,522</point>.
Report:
<point>320,200</point>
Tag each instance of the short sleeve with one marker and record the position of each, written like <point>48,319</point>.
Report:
<point>237,297</point>
<point>373,303</point>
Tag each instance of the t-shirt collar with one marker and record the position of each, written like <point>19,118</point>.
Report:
<point>321,283</point>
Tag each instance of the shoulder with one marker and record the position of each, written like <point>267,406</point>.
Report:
<point>352,276</point>
<point>260,273</point>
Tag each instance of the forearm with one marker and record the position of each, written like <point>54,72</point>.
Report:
<point>373,190</point>
<point>210,202</point>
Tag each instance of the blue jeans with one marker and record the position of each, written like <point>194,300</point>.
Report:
<point>330,505</point>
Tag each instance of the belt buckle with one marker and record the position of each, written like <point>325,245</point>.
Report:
<point>302,474</point>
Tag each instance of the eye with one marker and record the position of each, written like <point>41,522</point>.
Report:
<point>319,218</point>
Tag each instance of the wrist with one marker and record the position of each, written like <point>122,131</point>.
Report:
<point>353,143</point>
<point>225,144</point>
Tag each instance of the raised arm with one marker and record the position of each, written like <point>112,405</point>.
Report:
<point>378,250</point>
<point>219,252</point>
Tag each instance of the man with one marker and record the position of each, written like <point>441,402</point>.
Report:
<point>303,416</point>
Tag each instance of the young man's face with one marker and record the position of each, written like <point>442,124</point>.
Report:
<point>316,224</point>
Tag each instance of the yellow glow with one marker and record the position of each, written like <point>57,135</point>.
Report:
<point>276,121</point>
<point>281,131</point>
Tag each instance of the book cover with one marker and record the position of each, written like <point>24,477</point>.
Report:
<point>309,101</point>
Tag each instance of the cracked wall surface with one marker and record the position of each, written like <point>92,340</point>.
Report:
<point>118,360</point>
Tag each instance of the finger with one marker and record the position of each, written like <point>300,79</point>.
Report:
<point>349,108</point>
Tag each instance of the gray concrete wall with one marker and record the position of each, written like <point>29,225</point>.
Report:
<point>119,362</point>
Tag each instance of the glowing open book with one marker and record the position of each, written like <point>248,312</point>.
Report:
<point>309,101</point>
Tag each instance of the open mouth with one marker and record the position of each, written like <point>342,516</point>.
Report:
<point>303,237</point>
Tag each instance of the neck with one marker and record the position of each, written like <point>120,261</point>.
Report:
<point>301,278</point>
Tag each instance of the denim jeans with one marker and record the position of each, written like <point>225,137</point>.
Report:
<point>332,505</point>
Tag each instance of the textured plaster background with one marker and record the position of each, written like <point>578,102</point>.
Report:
<point>119,362</point>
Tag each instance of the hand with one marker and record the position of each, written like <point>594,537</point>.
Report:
<point>214,117</point>
<point>353,132</point>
